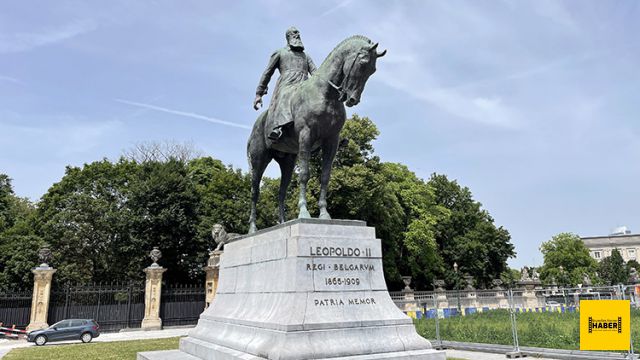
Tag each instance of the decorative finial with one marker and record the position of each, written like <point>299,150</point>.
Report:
<point>497,284</point>
<point>155,255</point>
<point>44,255</point>
<point>407,283</point>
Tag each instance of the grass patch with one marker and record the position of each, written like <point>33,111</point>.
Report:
<point>547,329</point>
<point>125,350</point>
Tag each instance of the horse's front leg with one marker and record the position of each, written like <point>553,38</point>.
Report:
<point>303,156</point>
<point>329,150</point>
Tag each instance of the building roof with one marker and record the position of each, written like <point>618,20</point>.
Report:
<point>611,240</point>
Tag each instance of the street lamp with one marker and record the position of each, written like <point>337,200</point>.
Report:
<point>455,270</point>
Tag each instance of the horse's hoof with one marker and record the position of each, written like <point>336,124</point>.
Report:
<point>324,215</point>
<point>304,214</point>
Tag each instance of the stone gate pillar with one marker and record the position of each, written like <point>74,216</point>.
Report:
<point>440,294</point>
<point>42,276</point>
<point>152,293</point>
<point>410,305</point>
<point>212,270</point>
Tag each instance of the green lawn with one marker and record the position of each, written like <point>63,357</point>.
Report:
<point>548,330</point>
<point>121,350</point>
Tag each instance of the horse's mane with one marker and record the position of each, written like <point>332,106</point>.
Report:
<point>343,42</point>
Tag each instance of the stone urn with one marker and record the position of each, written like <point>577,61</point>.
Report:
<point>407,281</point>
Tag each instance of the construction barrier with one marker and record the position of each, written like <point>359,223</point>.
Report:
<point>453,312</point>
<point>12,332</point>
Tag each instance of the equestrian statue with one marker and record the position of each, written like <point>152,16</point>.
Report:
<point>306,114</point>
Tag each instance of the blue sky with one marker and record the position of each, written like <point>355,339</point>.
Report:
<point>534,105</point>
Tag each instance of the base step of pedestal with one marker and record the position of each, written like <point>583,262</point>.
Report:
<point>165,355</point>
<point>208,351</point>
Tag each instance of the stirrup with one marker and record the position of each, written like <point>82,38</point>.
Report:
<point>275,135</point>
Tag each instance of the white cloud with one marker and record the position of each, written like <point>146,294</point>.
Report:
<point>19,42</point>
<point>184,113</point>
<point>468,105</point>
<point>340,5</point>
<point>480,109</point>
<point>11,79</point>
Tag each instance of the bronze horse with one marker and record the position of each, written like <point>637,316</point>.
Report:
<point>318,115</point>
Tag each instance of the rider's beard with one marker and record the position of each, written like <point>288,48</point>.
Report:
<point>296,43</point>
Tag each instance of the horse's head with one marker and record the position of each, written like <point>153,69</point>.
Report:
<point>357,68</point>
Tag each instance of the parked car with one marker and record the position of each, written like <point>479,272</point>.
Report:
<point>72,329</point>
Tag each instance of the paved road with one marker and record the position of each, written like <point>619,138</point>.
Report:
<point>8,345</point>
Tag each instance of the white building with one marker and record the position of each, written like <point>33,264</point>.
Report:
<point>601,246</point>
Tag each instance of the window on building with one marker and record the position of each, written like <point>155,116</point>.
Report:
<point>631,253</point>
<point>597,255</point>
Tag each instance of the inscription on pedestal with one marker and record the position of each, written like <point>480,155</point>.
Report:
<point>343,302</point>
<point>343,269</point>
<point>339,251</point>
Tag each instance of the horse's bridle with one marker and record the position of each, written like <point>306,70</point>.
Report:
<point>340,89</point>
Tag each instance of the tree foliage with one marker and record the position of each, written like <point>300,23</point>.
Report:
<point>567,260</point>
<point>612,269</point>
<point>468,236</point>
<point>632,264</point>
<point>18,242</point>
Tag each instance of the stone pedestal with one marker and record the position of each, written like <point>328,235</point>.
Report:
<point>152,295</point>
<point>531,300</point>
<point>212,271</point>
<point>441,299</point>
<point>306,289</point>
<point>410,304</point>
<point>42,276</point>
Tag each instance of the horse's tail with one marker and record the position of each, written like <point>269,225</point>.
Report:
<point>256,139</point>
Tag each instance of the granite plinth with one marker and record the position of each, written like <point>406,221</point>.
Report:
<point>306,289</point>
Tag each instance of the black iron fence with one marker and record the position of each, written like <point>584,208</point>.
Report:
<point>181,304</point>
<point>114,306</point>
<point>15,307</point>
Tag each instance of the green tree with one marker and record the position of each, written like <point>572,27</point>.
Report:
<point>223,193</point>
<point>102,219</point>
<point>509,277</point>
<point>6,193</point>
<point>632,264</point>
<point>567,260</point>
<point>18,242</point>
<point>87,220</point>
<point>468,236</point>
<point>163,204</point>
<point>612,269</point>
